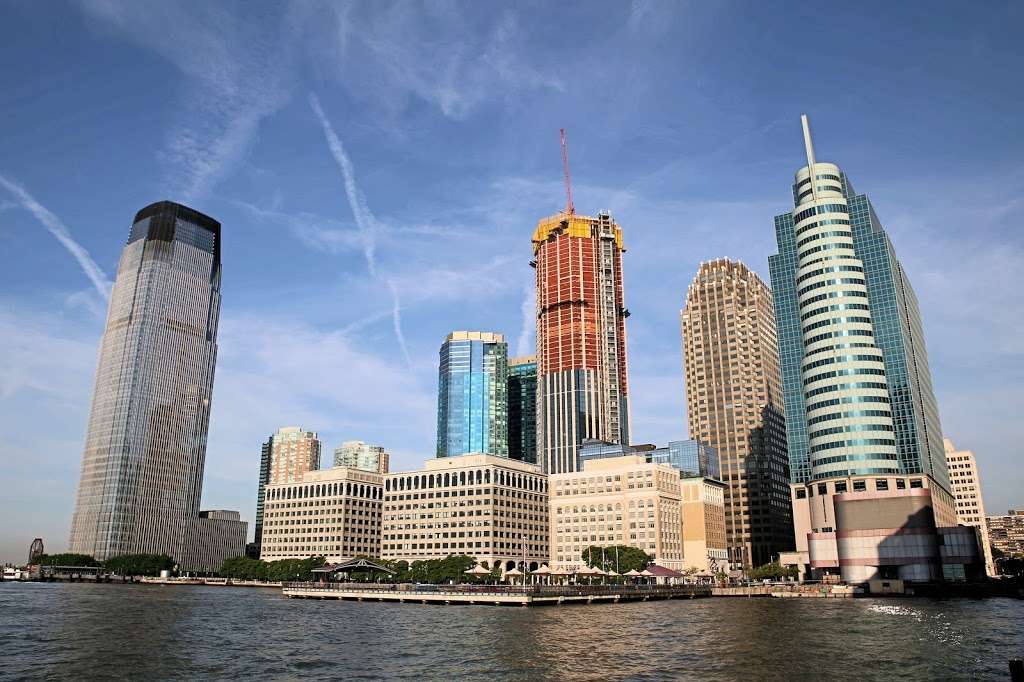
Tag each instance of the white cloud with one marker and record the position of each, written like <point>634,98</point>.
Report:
<point>365,220</point>
<point>527,333</point>
<point>396,321</point>
<point>237,73</point>
<point>274,372</point>
<point>317,232</point>
<point>59,230</point>
<point>487,61</point>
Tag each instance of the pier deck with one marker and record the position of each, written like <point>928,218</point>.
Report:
<point>494,595</point>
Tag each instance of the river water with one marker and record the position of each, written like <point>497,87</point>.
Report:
<point>78,631</point>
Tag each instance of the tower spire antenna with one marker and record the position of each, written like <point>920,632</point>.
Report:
<point>808,144</point>
<point>569,208</point>
<point>809,148</point>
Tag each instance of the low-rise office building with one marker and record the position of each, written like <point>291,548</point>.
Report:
<point>492,508</point>
<point>702,501</point>
<point>624,500</point>
<point>333,513</point>
<point>1006,533</point>
<point>865,527</point>
<point>219,534</point>
<point>966,488</point>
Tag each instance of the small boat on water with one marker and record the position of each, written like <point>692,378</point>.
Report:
<point>11,573</point>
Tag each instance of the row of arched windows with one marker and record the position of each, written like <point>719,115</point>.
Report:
<point>474,477</point>
<point>300,492</point>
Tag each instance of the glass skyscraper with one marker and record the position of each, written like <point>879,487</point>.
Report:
<point>145,447</point>
<point>522,409</point>
<point>856,383</point>
<point>472,395</point>
<point>266,456</point>
<point>691,457</point>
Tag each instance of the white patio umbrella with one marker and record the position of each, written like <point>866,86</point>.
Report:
<point>477,570</point>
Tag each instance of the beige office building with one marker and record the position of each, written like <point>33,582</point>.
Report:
<point>970,507</point>
<point>734,404</point>
<point>333,513</point>
<point>1006,533</point>
<point>294,452</point>
<point>703,508</point>
<point>617,501</point>
<point>492,508</point>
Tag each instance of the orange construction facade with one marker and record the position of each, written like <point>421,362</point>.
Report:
<point>582,390</point>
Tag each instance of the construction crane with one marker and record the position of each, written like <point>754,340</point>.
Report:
<point>569,208</point>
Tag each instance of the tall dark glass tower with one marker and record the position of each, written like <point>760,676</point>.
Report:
<point>266,456</point>
<point>522,409</point>
<point>142,469</point>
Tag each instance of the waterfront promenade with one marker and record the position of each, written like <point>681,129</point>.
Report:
<point>496,595</point>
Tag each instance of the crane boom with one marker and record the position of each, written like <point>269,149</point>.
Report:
<point>569,208</point>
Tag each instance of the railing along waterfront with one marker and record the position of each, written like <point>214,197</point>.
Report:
<point>529,590</point>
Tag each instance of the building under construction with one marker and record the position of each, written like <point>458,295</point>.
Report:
<point>581,334</point>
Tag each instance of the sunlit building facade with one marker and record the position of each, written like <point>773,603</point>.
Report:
<point>472,394</point>
<point>582,390</point>
<point>965,480</point>
<point>145,446</point>
<point>491,508</point>
<point>623,500</point>
<point>871,491</point>
<point>294,451</point>
<point>702,503</point>
<point>1006,533</point>
<point>734,404</point>
<point>356,454</point>
<point>334,513</point>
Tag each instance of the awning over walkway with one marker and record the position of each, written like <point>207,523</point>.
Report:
<point>354,566</point>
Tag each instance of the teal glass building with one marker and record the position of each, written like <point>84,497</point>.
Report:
<point>472,395</point>
<point>522,409</point>
<point>851,342</point>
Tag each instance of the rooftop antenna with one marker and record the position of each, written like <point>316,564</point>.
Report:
<point>809,148</point>
<point>569,208</point>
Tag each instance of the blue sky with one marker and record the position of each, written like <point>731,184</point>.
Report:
<point>379,168</point>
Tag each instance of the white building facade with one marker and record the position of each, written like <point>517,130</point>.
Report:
<point>492,508</point>
<point>970,506</point>
<point>333,513</point>
<point>617,501</point>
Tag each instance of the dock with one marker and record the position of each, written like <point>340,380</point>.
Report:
<point>493,595</point>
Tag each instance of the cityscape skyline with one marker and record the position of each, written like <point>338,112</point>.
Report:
<point>383,342</point>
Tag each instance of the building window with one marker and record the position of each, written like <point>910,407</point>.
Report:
<point>916,483</point>
<point>840,486</point>
<point>881,484</point>
<point>860,486</point>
